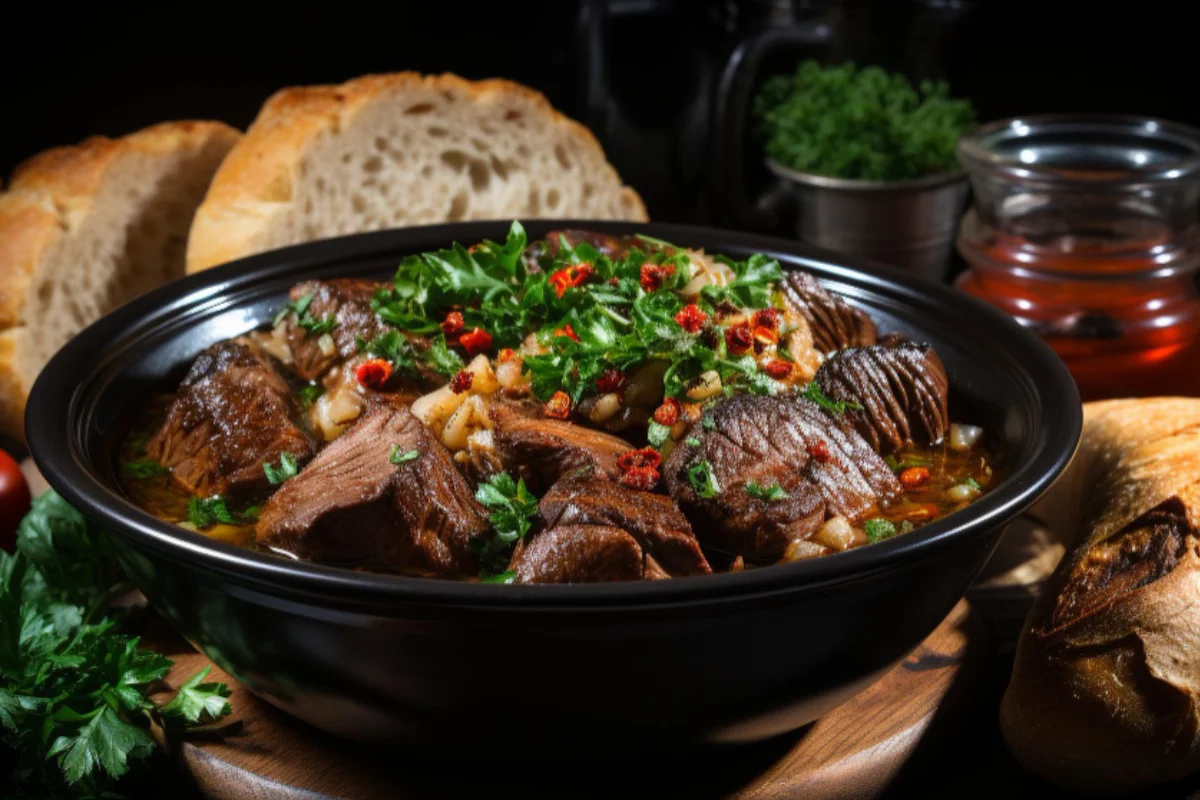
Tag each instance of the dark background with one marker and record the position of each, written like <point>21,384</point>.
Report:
<point>640,73</point>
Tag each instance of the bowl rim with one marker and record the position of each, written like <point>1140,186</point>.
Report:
<point>60,393</point>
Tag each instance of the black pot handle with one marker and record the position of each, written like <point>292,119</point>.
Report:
<point>734,204</point>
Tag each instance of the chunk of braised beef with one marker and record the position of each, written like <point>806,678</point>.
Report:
<point>903,391</point>
<point>821,464</point>
<point>665,544</point>
<point>835,323</point>
<point>348,301</point>
<point>579,554</point>
<point>233,413</point>
<point>385,494</point>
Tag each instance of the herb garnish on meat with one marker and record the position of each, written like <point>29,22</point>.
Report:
<point>278,474</point>
<point>513,509</point>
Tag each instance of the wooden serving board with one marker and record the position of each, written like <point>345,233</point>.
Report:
<point>859,750</point>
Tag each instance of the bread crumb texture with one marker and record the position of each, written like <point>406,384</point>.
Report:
<point>387,151</point>
<point>86,228</point>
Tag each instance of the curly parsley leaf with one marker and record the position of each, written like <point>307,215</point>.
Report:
<point>441,358</point>
<point>312,325</point>
<point>197,702</point>
<point>143,469</point>
<point>513,507</point>
<point>508,576</point>
<point>771,493</point>
<point>204,512</point>
<point>392,346</point>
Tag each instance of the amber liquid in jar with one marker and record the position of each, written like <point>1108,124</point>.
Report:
<point>1122,311</point>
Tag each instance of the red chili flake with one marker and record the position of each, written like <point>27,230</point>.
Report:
<point>638,459</point>
<point>914,476</point>
<point>777,368</point>
<point>453,323</point>
<point>374,374</point>
<point>643,479</point>
<point>614,281</point>
<point>738,339</point>
<point>611,380</point>
<point>766,318</point>
<point>668,413</point>
<point>475,341</point>
<point>567,331</point>
<point>559,405</point>
<point>819,452</point>
<point>505,354</point>
<point>691,318</point>
<point>764,336</point>
<point>462,381</point>
<point>569,277</point>
<point>653,276</point>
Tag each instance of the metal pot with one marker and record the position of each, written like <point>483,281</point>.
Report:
<point>909,224</point>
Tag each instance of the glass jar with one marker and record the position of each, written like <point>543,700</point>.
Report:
<point>1087,231</point>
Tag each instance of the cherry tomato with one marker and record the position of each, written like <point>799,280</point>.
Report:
<point>14,500</point>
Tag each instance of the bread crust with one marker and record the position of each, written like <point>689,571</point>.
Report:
<point>257,176</point>
<point>47,194</point>
<point>1105,694</point>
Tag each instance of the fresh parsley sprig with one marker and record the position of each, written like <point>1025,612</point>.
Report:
<point>513,507</point>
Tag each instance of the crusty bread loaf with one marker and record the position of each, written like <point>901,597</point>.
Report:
<point>1105,693</point>
<point>388,151</point>
<point>85,228</point>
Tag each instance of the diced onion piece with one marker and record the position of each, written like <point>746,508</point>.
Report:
<point>508,373</point>
<point>837,534</point>
<point>964,437</point>
<point>325,344</point>
<point>706,272</point>
<point>531,347</point>
<point>483,379</point>
<point>470,417</point>
<point>804,353</point>
<point>706,386</point>
<point>962,493</point>
<point>645,386</point>
<point>605,408</point>
<point>436,407</point>
<point>802,549</point>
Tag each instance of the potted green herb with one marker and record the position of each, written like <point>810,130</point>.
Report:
<point>870,159</point>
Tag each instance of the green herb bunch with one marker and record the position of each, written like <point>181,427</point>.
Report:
<point>74,704</point>
<point>866,124</point>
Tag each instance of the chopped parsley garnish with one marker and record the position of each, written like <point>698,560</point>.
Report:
<point>204,512</point>
<point>310,393</point>
<point>304,318</point>
<point>513,508</point>
<point>974,484</point>
<point>143,469</point>
<point>692,441</point>
<point>287,469</point>
<point>503,577</point>
<point>392,346</point>
<point>708,422</point>
<point>656,434</point>
<point>702,479</point>
<point>813,392</point>
<point>398,456</point>
<point>441,358</point>
<point>75,686</point>
<point>771,493</point>
<point>899,465</point>
<point>879,529</point>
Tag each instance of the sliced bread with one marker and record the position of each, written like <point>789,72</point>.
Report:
<point>85,228</point>
<point>387,151</point>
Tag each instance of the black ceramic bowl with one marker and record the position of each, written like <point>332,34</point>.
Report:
<point>534,672</point>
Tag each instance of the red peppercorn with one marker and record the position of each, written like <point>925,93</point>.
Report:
<point>766,318</point>
<point>691,318</point>
<point>637,459</point>
<point>914,476</point>
<point>738,339</point>
<point>668,413</point>
<point>559,405</point>
<point>763,337</point>
<point>643,479</point>
<point>611,380</point>
<point>475,341</point>
<point>373,374</point>
<point>569,277</point>
<point>462,381</point>
<point>777,368</point>
<point>653,276</point>
<point>567,331</point>
<point>453,323</point>
<point>819,452</point>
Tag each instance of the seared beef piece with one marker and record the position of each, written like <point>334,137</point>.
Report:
<point>658,530</point>
<point>233,412</point>
<point>834,322</point>
<point>349,301</point>
<point>579,554</point>
<point>903,390</point>
<point>818,459</point>
<point>541,449</point>
<point>352,505</point>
